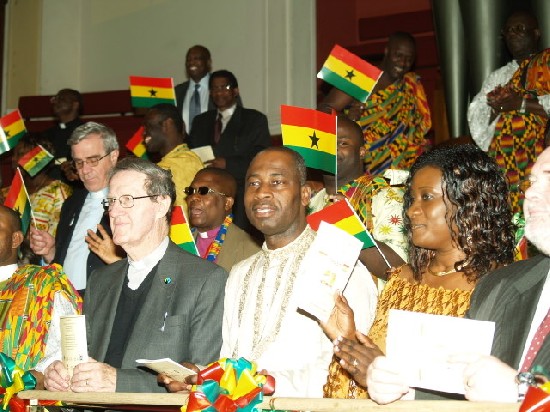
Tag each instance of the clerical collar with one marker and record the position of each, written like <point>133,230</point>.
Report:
<point>62,125</point>
<point>209,234</point>
<point>7,271</point>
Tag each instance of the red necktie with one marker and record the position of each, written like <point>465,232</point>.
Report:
<point>218,129</point>
<point>536,343</point>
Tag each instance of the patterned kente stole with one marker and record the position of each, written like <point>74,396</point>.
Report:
<point>26,305</point>
<point>214,249</point>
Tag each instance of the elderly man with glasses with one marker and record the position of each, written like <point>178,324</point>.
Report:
<point>159,302</point>
<point>94,149</point>
<point>210,201</point>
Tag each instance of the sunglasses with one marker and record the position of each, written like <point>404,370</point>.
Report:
<point>202,190</point>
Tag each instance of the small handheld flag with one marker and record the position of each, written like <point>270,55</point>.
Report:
<point>18,200</point>
<point>13,128</point>
<point>180,232</point>
<point>35,160</point>
<point>136,144</point>
<point>148,91</point>
<point>312,134</point>
<point>350,73</point>
<point>342,215</point>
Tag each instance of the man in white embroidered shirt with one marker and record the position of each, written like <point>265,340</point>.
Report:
<point>267,326</point>
<point>158,302</point>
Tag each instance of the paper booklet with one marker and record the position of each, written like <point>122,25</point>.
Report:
<point>74,347</point>
<point>204,152</point>
<point>167,366</point>
<point>328,265</point>
<point>422,344</point>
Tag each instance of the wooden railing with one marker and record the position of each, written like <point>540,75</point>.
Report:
<point>172,401</point>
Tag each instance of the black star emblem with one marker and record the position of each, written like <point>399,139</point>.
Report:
<point>7,132</point>
<point>350,75</point>
<point>153,93</point>
<point>314,140</point>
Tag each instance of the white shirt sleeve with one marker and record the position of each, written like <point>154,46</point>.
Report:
<point>61,307</point>
<point>479,112</point>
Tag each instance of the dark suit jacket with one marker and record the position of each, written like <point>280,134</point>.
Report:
<point>180,319</point>
<point>181,91</point>
<point>509,297</point>
<point>245,135</point>
<point>70,212</point>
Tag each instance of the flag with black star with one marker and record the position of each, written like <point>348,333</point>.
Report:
<point>35,160</point>
<point>312,134</point>
<point>350,73</point>
<point>148,91</point>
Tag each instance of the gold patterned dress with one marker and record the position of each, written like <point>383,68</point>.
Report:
<point>399,293</point>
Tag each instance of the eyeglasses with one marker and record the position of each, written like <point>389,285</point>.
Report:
<point>220,88</point>
<point>202,190</point>
<point>525,184</point>
<point>90,161</point>
<point>126,201</point>
<point>520,29</point>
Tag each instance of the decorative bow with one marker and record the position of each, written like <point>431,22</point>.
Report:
<point>229,385</point>
<point>12,381</point>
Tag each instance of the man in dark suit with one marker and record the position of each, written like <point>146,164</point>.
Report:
<point>94,149</point>
<point>236,134</point>
<point>158,302</point>
<point>517,299</point>
<point>195,100</point>
<point>193,96</point>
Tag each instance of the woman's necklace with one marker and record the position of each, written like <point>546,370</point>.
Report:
<point>453,270</point>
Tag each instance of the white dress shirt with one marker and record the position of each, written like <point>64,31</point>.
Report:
<point>75,263</point>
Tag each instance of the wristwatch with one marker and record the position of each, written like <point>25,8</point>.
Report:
<point>524,380</point>
<point>523,107</point>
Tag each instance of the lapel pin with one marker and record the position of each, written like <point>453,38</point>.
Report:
<point>167,281</point>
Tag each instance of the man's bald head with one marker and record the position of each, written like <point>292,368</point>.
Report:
<point>11,235</point>
<point>228,184</point>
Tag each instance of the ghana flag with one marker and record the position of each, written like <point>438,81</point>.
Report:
<point>148,91</point>
<point>35,160</point>
<point>342,215</point>
<point>312,134</point>
<point>349,73</point>
<point>13,128</point>
<point>136,144</point>
<point>180,232</point>
<point>18,200</point>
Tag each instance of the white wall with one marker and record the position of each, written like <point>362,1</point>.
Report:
<point>96,44</point>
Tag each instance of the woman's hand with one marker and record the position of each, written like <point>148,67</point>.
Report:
<point>356,356</point>
<point>341,322</point>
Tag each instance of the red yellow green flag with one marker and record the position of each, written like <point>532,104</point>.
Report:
<point>342,215</point>
<point>312,134</point>
<point>180,232</point>
<point>349,73</point>
<point>148,91</point>
<point>13,128</point>
<point>35,160</point>
<point>136,144</point>
<point>521,250</point>
<point>18,200</point>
